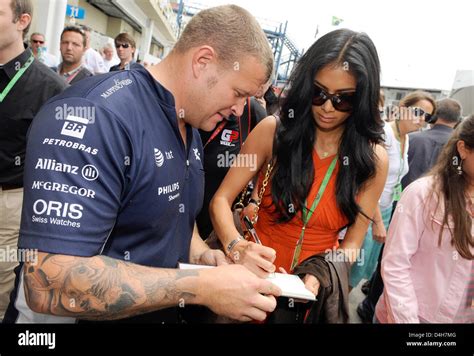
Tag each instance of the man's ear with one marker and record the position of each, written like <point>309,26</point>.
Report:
<point>203,56</point>
<point>23,21</point>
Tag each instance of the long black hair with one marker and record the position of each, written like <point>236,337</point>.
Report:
<point>295,136</point>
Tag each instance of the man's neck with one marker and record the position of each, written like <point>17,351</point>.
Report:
<point>124,62</point>
<point>66,68</point>
<point>11,52</point>
<point>444,123</point>
<point>168,76</point>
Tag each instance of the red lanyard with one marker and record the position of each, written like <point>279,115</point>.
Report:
<point>224,122</point>
<point>216,132</point>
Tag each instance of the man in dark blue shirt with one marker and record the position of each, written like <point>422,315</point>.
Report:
<point>425,146</point>
<point>114,181</point>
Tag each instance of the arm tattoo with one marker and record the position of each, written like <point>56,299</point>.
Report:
<point>101,288</point>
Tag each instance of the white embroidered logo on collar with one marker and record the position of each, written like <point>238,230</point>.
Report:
<point>197,154</point>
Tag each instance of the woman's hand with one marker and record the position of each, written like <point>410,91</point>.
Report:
<point>379,233</point>
<point>311,283</point>
<point>257,258</point>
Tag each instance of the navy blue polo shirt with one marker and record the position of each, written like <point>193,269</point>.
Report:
<point>107,173</point>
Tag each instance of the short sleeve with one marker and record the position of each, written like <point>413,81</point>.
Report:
<point>75,176</point>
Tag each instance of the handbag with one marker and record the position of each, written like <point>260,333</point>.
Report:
<point>237,211</point>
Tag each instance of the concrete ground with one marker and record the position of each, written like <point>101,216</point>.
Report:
<point>355,297</point>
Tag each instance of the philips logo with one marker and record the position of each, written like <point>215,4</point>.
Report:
<point>74,126</point>
<point>168,189</point>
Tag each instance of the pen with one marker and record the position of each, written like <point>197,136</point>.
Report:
<point>251,229</point>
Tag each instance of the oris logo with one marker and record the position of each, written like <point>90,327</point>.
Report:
<point>58,209</point>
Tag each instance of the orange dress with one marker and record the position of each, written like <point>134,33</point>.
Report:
<point>322,229</point>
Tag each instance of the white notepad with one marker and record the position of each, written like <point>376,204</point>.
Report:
<point>291,286</point>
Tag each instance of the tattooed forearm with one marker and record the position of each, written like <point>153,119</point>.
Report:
<point>102,288</point>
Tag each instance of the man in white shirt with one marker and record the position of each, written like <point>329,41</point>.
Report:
<point>109,58</point>
<point>37,45</point>
<point>92,59</point>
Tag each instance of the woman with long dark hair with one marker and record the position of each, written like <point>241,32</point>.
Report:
<point>427,264</point>
<point>327,164</point>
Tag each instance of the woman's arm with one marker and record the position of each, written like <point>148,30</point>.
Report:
<point>403,240</point>
<point>368,202</point>
<point>379,233</point>
<point>257,151</point>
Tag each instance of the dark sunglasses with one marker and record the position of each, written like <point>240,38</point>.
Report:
<point>419,112</point>
<point>341,102</point>
<point>37,41</point>
<point>124,45</point>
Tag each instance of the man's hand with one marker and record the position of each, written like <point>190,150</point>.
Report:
<point>212,258</point>
<point>235,292</point>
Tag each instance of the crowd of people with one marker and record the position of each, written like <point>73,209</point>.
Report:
<point>110,181</point>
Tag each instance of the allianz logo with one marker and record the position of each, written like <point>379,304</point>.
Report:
<point>88,172</point>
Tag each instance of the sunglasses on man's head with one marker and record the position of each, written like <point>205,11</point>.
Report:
<point>419,112</point>
<point>341,102</point>
<point>124,45</point>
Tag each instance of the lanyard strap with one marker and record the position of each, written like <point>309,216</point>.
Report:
<point>16,78</point>
<point>307,214</point>
<point>216,132</point>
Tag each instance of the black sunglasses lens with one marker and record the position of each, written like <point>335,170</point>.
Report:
<point>345,102</point>
<point>124,45</point>
<point>319,96</point>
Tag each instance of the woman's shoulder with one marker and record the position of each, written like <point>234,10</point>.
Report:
<point>265,129</point>
<point>381,155</point>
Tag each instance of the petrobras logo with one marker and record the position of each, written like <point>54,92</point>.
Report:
<point>74,126</point>
<point>70,144</point>
<point>90,172</point>
<point>159,158</point>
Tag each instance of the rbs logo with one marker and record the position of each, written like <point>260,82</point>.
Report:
<point>74,126</point>
<point>58,209</point>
